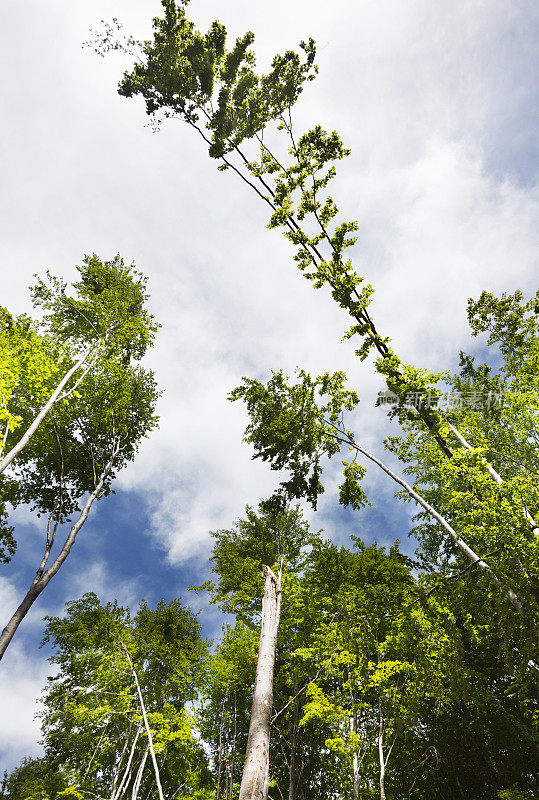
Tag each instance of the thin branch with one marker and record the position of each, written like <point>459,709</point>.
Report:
<point>296,695</point>
<point>145,718</point>
<point>493,474</point>
<point>452,577</point>
<point>460,543</point>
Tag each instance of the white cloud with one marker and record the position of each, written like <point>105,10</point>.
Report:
<point>21,681</point>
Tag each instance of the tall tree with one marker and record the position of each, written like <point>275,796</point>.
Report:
<point>300,764</point>
<point>94,430</point>
<point>246,121</point>
<point>256,768</point>
<point>121,697</point>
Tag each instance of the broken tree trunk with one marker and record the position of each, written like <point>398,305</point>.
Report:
<point>255,778</point>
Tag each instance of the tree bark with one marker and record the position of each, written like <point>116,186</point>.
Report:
<point>43,576</point>
<point>355,759</point>
<point>255,778</point>
<point>51,402</point>
<point>381,758</point>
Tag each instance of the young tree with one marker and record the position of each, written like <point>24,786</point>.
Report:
<point>43,364</point>
<point>120,700</point>
<point>95,429</point>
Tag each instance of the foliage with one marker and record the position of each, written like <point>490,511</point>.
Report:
<point>109,399</point>
<point>239,554</point>
<point>246,121</point>
<point>294,426</point>
<point>92,716</point>
<point>35,779</point>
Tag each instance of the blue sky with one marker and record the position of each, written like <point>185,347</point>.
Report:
<point>438,103</point>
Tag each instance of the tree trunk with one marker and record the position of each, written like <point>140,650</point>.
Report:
<point>381,757</point>
<point>355,759</point>
<point>51,402</point>
<point>43,576</point>
<point>255,778</point>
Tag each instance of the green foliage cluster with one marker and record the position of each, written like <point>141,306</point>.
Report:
<point>184,73</point>
<point>107,407</point>
<point>92,718</point>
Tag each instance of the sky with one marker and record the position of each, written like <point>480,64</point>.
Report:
<point>438,103</point>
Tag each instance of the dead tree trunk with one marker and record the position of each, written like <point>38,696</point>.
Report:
<point>255,778</point>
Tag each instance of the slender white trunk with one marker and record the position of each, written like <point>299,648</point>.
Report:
<point>43,576</point>
<point>355,758</point>
<point>255,778</point>
<point>381,758</point>
<point>460,543</point>
<point>120,790</point>
<point>138,779</point>
<point>494,475</point>
<point>53,399</point>
<point>146,724</point>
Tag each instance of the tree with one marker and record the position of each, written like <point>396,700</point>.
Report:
<point>106,319</point>
<point>121,697</point>
<point>301,765</point>
<point>94,429</point>
<point>252,550</point>
<point>191,76</point>
<point>256,768</point>
<point>35,779</point>
<point>185,74</point>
